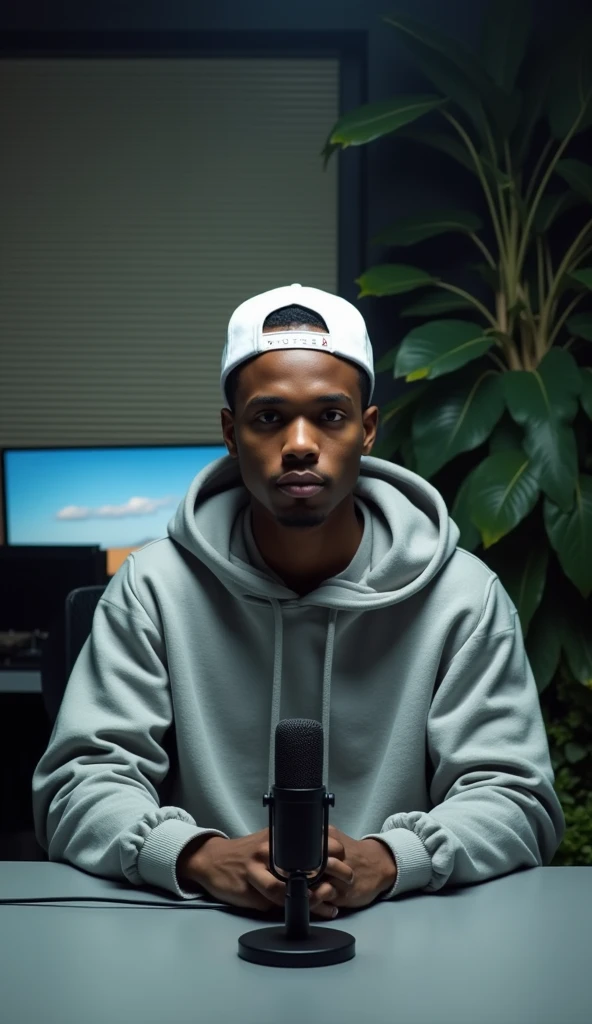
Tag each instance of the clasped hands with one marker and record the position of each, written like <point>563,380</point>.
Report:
<point>237,871</point>
<point>357,872</point>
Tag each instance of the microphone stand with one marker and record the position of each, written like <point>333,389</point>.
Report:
<point>297,944</point>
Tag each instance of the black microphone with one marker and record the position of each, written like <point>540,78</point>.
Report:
<point>298,847</point>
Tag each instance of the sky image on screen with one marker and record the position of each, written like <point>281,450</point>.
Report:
<point>113,497</point>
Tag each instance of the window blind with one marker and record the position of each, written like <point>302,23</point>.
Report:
<point>141,200</point>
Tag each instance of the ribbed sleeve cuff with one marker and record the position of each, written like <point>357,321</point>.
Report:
<point>157,860</point>
<point>414,864</point>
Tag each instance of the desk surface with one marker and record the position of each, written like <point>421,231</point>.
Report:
<point>511,951</point>
<point>20,680</point>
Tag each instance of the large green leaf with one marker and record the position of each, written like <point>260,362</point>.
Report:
<point>470,538</point>
<point>570,534</point>
<point>586,395</point>
<point>543,402</point>
<point>524,579</point>
<point>457,72</point>
<point>578,176</point>
<point>392,279</point>
<point>507,436</point>
<point>583,276</point>
<point>543,643</point>
<point>580,326</point>
<point>373,120</point>
<point>437,302</point>
<point>577,641</point>
<point>395,435</point>
<point>551,447</point>
<point>443,142</point>
<point>410,230</point>
<point>552,388</point>
<point>455,416</point>
<point>503,491</point>
<point>570,83</point>
<point>505,33</point>
<point>439,347</point>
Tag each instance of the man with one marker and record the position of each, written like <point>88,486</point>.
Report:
<point>301,578</point>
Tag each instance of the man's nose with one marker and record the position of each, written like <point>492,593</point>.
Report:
<point>300,439</point>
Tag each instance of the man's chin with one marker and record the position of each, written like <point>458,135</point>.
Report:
<point>304,521</point>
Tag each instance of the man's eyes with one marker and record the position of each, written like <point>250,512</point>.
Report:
<point>328,412</point>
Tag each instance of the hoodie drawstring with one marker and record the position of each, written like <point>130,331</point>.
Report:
<point>277,688</point>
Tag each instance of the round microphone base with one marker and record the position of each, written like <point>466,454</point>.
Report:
<point>272,948</point>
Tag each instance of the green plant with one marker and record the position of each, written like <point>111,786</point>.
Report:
<point>501,395</point>
<point>567,713</point>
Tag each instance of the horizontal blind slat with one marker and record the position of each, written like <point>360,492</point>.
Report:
<point>141,201</point>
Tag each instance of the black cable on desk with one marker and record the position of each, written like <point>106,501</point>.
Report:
<point>34,901</point>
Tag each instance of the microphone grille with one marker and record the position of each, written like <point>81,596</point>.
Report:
<point>299,753</point>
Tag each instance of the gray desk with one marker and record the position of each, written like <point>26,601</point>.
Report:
<point>20,680</point>
<point>515,950</point>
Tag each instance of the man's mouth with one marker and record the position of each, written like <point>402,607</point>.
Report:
<point>301,490</point>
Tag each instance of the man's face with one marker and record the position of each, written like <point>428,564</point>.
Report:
<point>298,431</point>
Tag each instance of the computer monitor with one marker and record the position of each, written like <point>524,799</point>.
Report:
<point>116,497</point>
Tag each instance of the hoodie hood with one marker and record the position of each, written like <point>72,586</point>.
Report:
<point>412,537</point>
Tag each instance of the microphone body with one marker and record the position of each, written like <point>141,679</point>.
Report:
<point>298,849</point>
<point>298,826</point>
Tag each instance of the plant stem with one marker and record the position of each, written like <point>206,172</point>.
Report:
<point>584,253</point>
<point>542,157</point>
<point>543,184</point>
<point>562,269</point>
<point>471,298</point>
<point>548,262</point>
<point>540,271</point>
<point>484,184</point>
<point>528,351</point>
<point>526,313</point>
<point>483,249</point>
<point>506,341</point>
<point>569,309</point>
<point>497,360</point>
<point>505,225</point>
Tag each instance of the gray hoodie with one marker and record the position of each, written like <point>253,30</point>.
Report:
<point>412,658</point>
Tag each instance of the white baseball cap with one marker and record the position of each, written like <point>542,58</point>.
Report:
<point>346,334</point>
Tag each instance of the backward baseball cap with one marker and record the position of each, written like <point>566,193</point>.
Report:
<point>346,334</point>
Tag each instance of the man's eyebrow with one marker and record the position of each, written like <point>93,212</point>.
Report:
<point>339,396</point>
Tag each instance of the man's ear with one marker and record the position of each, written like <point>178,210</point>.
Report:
<point>228,432</point>
<point>370,420</point>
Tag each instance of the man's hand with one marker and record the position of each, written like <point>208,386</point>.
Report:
<point>373,869</point>
<point>236,871</point>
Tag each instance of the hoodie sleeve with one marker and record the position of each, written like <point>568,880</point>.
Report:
<point>95,800</point>
<point>495,809</point>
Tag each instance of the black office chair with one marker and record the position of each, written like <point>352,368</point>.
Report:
<point>64,643</point>
<point>60,651</point>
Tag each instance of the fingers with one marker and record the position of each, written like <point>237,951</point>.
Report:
<point>342,872</point>
<point>268,892</point>
<point>266,884</point>
<point>335,848</point>
<point>335,888</point>
<point>325,893</point>
<point>337,878</point>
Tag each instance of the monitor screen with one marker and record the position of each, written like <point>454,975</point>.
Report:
<point>118,498</point>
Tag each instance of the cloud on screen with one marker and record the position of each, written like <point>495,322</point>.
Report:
<point>132,507</point>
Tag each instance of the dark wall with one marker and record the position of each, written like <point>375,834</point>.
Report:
<point>392,186</point>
